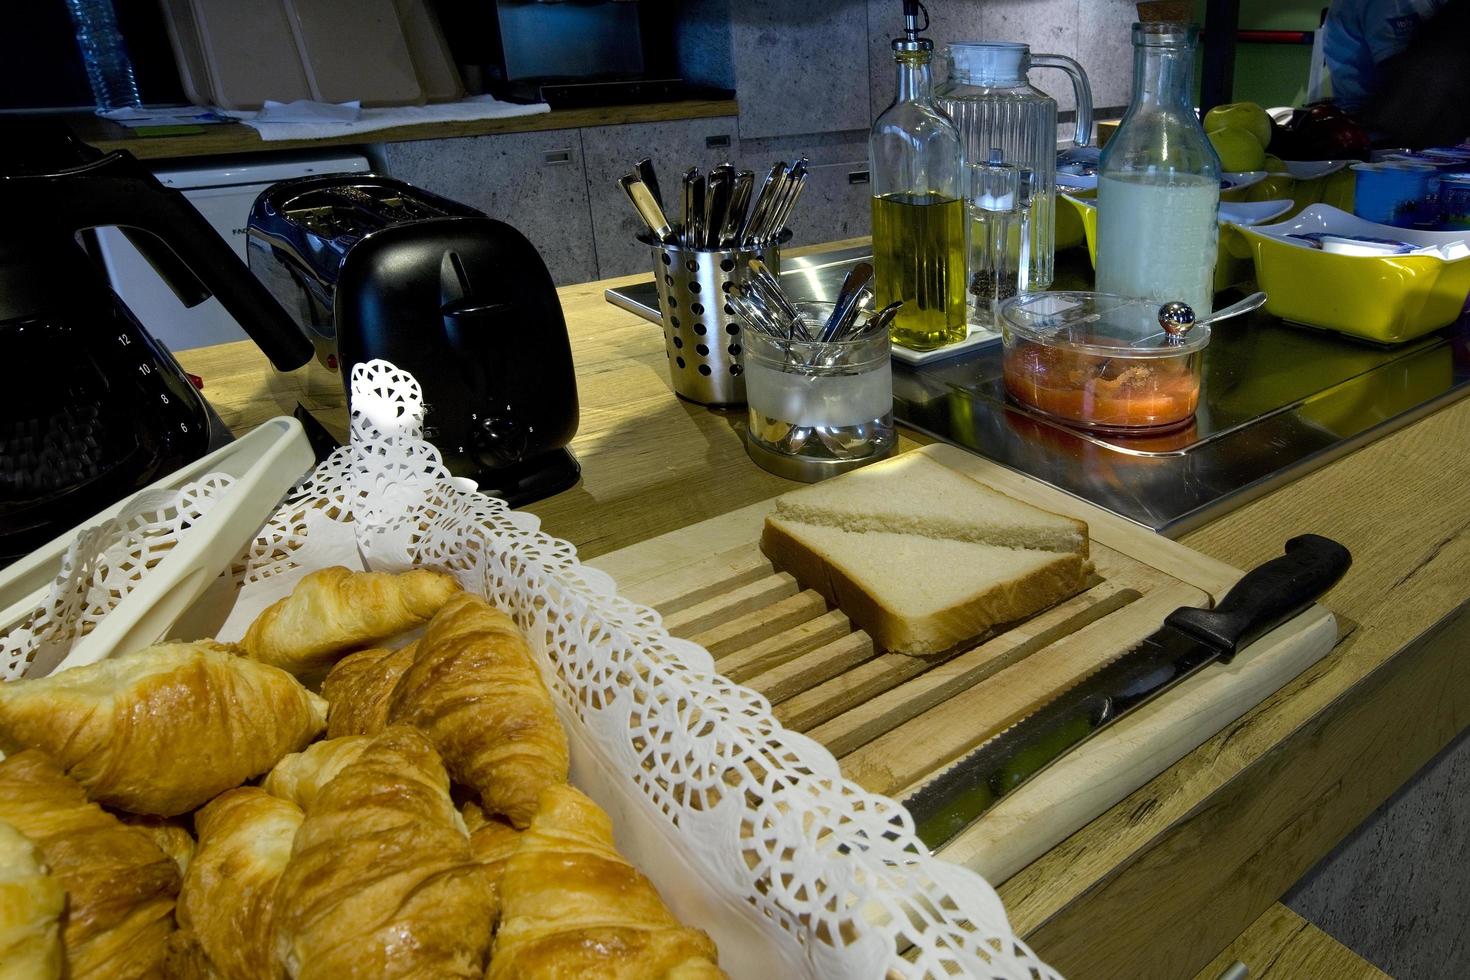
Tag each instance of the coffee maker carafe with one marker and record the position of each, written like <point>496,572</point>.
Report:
<point>95,407</point>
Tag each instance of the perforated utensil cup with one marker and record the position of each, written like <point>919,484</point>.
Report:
<point>703,337</point>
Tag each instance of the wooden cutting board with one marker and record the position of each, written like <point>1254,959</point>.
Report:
<point>895,721</point>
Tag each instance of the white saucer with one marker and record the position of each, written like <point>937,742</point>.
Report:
<point>979,336</point>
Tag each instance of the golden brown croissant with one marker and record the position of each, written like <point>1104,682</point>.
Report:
<point>120,887</point>
<point>31,902</point>
<point>357,690</point>
<point>333,610</point>
<point>227,903</point>
<point>170,837</point>
<point>164,729</point>
<point>381,882</point>
<point>300,776</point>
<point>570,906</point>
<point>492,842</point>
<point>185,959</point>
<point>475,690</point>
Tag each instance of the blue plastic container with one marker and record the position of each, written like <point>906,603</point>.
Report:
<point>1398,194</point>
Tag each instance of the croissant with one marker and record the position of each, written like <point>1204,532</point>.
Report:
<point>572,907</point>
<point>171,838</point>
<point>165,729</point>
<point>492,842</point>
<point>31,902</point>
<point>120,886</point>
<point>381,882</point>
<point>300,776</point>
<point>474,689</point>
<point>357,690</point>
<point>333,610</point>
<point>185,959</point>
<point>227,903</point>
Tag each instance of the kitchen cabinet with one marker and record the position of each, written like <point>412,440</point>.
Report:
<point>534,181</point>
<point>800,67</point>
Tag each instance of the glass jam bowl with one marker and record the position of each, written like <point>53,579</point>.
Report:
<point>1100,362</point>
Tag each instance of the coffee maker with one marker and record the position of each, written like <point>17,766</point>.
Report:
<point>370,267</point>
<point>95,407</point>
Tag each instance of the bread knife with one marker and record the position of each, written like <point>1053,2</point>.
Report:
<point>1190,640</point>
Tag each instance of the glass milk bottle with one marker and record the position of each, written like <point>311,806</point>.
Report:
<point>993,105</point>
<point>918,210</point>
<point>1158,189</point>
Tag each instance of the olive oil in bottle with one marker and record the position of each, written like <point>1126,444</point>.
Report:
<point>919,258</point>
<point>918,207</point>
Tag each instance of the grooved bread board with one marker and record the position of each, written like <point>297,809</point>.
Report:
<point>895,721</point>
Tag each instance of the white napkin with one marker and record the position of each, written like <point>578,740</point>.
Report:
<point>303,120</point>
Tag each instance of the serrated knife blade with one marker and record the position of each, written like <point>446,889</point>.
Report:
<point>1189,640</point>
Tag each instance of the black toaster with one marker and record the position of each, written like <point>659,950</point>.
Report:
<point>370,267</point>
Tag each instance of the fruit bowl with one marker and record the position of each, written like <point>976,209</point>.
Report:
<point>1385,298</point>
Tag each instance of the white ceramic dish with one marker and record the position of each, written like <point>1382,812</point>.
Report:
<point>1239,180</point>
<point>1323,219</point>
<point>1313,169</point>
<point>1248,213</point>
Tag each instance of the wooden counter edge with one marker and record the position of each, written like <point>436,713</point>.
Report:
<point>225,139</point>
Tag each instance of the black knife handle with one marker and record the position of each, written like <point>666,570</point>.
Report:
<point>1267,596</point>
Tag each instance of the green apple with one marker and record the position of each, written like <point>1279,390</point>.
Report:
<point>1273,164</point>
<point>1241,115</point>
<point>1238,149</point>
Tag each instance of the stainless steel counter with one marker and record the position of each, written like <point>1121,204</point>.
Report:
<point>1277,401</point>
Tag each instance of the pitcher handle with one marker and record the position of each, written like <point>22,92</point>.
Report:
<point>1080,86</point>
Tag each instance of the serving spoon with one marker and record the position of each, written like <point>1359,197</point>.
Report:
<point>1177,318</point>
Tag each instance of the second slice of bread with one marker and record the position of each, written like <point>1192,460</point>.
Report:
<point>917,594</point>
<point>912,494</point>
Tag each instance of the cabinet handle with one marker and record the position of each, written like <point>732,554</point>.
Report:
<point>858,176</point>
<point>717,142</point>
<point>558,156</point>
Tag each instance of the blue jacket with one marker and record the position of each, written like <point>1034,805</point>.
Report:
<point>1360,34</point>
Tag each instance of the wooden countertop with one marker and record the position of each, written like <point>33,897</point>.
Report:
<point>216,140</point>
<point>1167,879</point>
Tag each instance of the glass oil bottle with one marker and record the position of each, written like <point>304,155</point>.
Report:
<point>918,207</point>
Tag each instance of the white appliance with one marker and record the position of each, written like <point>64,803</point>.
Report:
<point>223,193</point>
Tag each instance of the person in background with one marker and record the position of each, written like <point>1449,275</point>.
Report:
<point>1420,97</point>
<point>1359,35</point>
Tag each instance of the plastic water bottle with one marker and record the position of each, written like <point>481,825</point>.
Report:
<point>109,69</point>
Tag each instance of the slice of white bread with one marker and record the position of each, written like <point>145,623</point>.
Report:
<point>916,594</point>
<point>912,494</point>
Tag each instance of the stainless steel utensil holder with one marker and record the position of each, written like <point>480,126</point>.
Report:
<point>702,335</point>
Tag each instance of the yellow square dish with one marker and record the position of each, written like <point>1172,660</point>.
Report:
<point>1384,298</point>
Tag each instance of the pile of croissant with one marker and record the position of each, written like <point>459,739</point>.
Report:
<point>432,833</point>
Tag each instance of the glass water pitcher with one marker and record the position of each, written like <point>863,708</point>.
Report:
<point>993,105</point>
<point>1158,187</point>
<point>918,203</point>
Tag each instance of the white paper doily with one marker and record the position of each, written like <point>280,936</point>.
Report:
<point>728,812</point>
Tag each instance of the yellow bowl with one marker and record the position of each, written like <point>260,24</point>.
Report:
<point>1232,264</point>
<point>1384,298</point>
<point>1069,231</point>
